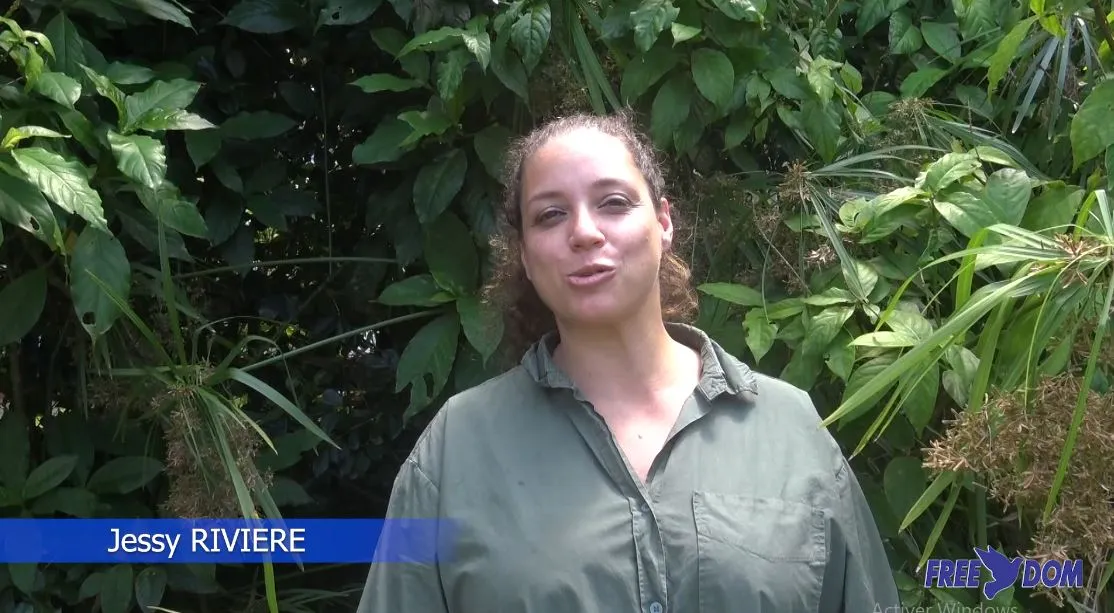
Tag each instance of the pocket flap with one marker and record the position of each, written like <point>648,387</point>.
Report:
<point>775,529</point>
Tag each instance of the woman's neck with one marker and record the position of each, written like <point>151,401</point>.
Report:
<point>630,362</point>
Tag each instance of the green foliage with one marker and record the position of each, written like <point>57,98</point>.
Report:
<point>230,235</point>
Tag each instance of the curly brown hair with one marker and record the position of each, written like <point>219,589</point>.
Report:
<point>526,317</point>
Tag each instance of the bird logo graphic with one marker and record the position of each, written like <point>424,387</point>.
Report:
<point>1003,571</point>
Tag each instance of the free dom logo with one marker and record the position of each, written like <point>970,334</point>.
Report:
<point>995,572</point>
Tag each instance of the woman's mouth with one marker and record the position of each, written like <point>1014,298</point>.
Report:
<point>591,275</point>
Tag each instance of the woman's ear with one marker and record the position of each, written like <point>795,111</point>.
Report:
<point>665,218</point>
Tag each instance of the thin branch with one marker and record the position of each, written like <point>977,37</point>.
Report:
<point>1100,17</point>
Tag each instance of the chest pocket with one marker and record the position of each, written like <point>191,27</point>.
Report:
<point>759,555</point>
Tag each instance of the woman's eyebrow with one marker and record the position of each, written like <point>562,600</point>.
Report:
<point>606,182</point>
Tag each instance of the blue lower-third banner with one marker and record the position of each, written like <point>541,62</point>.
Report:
<point>170,541</point>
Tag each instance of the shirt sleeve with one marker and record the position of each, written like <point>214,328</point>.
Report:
<point>859,577</point>
<point>394,586</point>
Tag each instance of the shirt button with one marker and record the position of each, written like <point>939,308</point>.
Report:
<point>646,509</point>
<point>655,607</point>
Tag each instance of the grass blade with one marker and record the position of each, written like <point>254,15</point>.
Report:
<point>281,401</point>
<point>930,495</point>
<point>938,529</point>
<point>959,323</point>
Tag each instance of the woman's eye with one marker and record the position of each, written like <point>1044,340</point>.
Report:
<point>617,202</point>
<point>548,215</point>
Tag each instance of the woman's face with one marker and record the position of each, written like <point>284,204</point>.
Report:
<point>592,238</point>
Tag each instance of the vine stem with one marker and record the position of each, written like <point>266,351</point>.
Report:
<point>1100,17</point>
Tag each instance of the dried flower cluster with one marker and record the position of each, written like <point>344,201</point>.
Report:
<point>1016,450</point>
<point>200,486</point>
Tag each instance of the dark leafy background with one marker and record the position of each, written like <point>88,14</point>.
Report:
<point>242,243</point>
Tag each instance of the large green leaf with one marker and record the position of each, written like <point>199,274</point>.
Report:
<point>150,586</point>
<point>17,134</point>
<point>943,38</point>
<point>266,16</point>
<point>904,481</point>
<point>671,108</point>
<point>425,123</point>
<point>733,293</point>
<point>124,475</point>
<point>346,12</point>
<point>109,91</point>
<point>681,32</point>
<point>419,290</point>
<point>742,10</point>
<point>1054,208</point>
<point>166,11</point>
<point>139,157</point>
<point>841,356</point>
<point>202,146</point>
<point>1002,200</point>
<point>874,12</point>
<point>168,206</point>
<point>714,76</point>
<point>24,576</point>
<point>250,125</point>
<point>173,95</point>
<point>21,305</point>
<point>478,41</point>
<point>158,120</point>
<point>822,125</point>
<point>69,46</point>
<point>450,72</point>
<point>508,68</point>
<point>948,169</point>
<point>482,324</point>
<point>823,328</point>
<point>64,181</point>
<point>905,38</point>
<point>820,78</point>
<point>1091,129</point>
<point>431,352</point>
<point>116,589</point>
<point>71,501</point>
<point>98,256</point>
<point>760,331</point>
<point>59,87</point>
<point>384,82</point>
<point>980,17</point>
<point>650,19</point>
<point>433,40</point>
<point>644,70</point>
<point>438,183</point>
<point>920,405</point>
<point>920,81</point>
<point>530,33</point>
<point>25,207</point>
<point>48,475</point>
<point>128,74</point>
<point>490,144</point>
<point>385,144</point>
<point>451,254</point>
<point>1006,52</point>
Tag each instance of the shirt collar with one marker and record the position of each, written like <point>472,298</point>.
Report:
<point>721,372</point>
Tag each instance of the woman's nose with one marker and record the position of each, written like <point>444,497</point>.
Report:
<point>585,231</point>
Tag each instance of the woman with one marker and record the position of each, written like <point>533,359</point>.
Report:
<point>628,463</point>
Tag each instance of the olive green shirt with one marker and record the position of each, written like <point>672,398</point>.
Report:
<point>750,506</point>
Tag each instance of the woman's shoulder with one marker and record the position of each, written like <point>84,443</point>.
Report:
<point>488,409</point>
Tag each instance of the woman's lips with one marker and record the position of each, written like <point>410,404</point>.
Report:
<point>592,276</point>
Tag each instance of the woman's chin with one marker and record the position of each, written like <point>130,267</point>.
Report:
<point>597,315</point>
